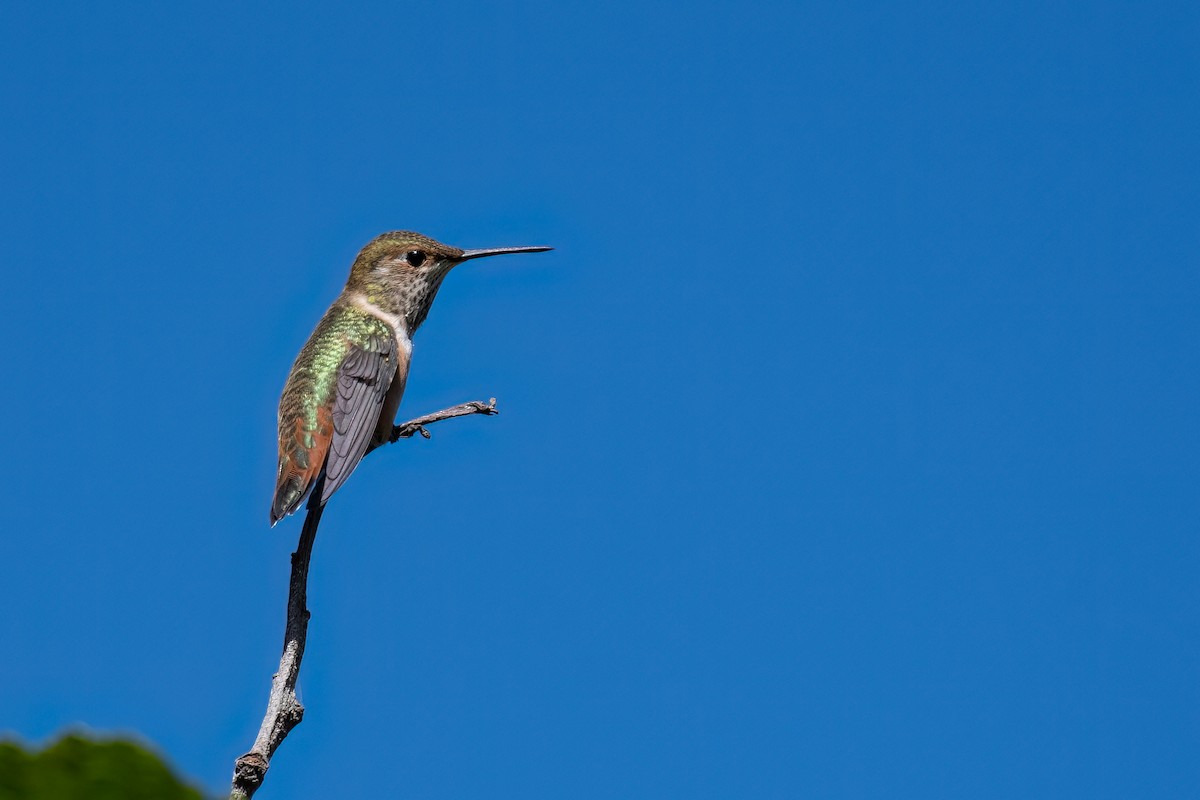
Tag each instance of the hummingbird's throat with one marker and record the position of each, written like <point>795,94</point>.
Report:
<point>404,293</point>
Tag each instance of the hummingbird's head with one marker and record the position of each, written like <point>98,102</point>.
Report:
<point>401,271</point>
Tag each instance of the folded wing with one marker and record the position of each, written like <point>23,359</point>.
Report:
<point>362,384</point>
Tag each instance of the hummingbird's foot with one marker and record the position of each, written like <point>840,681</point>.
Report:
<point>406,431</point>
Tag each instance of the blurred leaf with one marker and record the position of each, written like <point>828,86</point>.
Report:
<point>75,768</point>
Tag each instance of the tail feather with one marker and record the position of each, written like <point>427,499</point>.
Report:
<point>289,494</point>
<point>302,455</point>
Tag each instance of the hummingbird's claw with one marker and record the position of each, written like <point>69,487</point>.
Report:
<point>406,431</point>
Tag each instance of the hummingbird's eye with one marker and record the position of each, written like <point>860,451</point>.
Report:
<point>415,258</point>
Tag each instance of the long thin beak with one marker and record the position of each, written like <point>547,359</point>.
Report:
<point>499,251</point>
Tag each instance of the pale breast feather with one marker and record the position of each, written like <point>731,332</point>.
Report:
<point>393,321</point>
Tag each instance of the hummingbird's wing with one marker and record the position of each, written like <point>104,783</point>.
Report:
<point>363,379</point>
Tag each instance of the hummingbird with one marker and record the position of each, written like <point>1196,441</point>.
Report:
<point>342,393</point>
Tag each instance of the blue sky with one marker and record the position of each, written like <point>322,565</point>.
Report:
<point>848,443</point>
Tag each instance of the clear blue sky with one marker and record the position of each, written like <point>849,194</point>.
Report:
<point>849,443</point>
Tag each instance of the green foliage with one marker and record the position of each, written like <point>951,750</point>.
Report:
<point>74,768</point>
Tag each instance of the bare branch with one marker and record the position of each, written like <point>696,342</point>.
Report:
<point>418,425</point>
<point>284,710</point>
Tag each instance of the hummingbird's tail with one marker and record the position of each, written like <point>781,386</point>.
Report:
<point>289,494</point>
<point>302,454</point>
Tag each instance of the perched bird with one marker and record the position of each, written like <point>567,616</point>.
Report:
<point>345,386</point>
